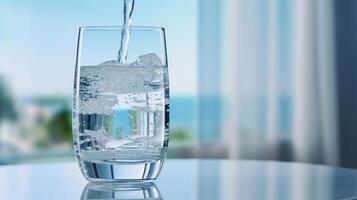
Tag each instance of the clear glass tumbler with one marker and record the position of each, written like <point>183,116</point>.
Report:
<point>121,110</point>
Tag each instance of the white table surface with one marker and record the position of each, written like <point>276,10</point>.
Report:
<point>191,179</point>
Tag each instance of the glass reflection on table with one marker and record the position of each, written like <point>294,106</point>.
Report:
<point>147,190</point>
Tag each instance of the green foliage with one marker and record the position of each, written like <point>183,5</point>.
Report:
<point>7,107</point>
<point>59,127</point>
<point>51,100</point>
<point>108,124</point>
<point>180,135</point>
<point>41,143</point>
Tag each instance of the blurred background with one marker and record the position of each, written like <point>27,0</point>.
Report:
<point>250,79</point>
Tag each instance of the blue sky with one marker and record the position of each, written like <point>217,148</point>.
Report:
<point>38,40</point>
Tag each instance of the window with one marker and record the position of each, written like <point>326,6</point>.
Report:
<point>37,48</point>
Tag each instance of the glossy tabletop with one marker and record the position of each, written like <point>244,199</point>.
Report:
<point>186,180</point>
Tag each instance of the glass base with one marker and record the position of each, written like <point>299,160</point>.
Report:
<point>137,190</point>
<point>132,171</point>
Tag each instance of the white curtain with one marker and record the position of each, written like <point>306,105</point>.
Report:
<point>277,80</point>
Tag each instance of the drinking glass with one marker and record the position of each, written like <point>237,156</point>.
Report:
<point>121,110</point>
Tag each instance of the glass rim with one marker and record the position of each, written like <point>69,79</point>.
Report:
<point>119,28</point>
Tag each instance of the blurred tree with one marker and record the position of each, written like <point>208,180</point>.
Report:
<point>7,107</point>
<point>180,135</point>
<point>59,127</point>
